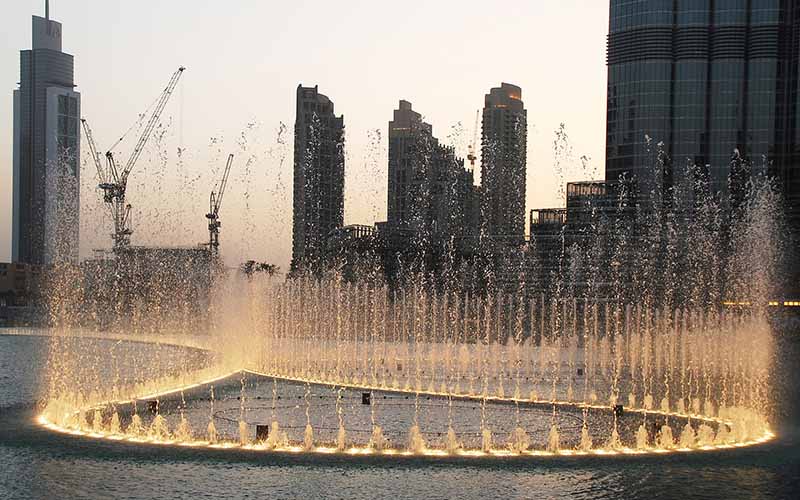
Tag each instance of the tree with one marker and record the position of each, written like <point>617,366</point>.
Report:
<point>252,267</point>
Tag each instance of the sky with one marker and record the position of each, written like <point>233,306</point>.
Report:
<point>244,60</point>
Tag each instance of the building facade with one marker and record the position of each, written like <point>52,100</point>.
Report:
<point>503,162</point>
<point>705,79</point>
<point>318,204</point>
<point>19,283</point>
<point>713,85</point>
<point>428,188</point>
<point>46,152</point>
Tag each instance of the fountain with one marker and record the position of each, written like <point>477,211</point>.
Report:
<point>640,358</point>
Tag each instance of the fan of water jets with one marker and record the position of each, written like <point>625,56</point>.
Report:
<point>659,307</point>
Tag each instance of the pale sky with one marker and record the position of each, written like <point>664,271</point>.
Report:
<point>244,59</point>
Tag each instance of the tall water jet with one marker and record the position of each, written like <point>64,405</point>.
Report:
<point>452,444</point>
<point>341,439</point>
<point>244,433</point>
<point>486,440</point>
<point>377,440</point>
<point>114,426</point>
<point>664,438</point>
<point>519,441</point>
<point>416,441</point>
<point>211,429</point>
<point>688,437</point>
<point>553,440</point>
<point>586,439</point>
<point>159,429</point>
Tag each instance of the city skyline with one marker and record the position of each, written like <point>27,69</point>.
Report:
<point>268,163</point>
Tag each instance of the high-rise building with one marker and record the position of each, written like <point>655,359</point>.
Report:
<point>318,205</point>
<point>429,188</point>
<point>46,151</point>
<point>503,160</point>
<point>712,84</point>
<point>705,78</point>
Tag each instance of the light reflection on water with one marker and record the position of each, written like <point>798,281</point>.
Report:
<point>38,464</point>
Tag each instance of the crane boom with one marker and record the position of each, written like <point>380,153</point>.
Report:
<point>471,149</point>
<point>151,124</point>
<point>223,183</point>
<point>101,174</point>
<point>215,202</point>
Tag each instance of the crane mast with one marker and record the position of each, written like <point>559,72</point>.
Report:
<point>215,202</point>
<point>472,150</point>
<point>113,181</point>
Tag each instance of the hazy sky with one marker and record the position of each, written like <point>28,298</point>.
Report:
<point>244,59</point>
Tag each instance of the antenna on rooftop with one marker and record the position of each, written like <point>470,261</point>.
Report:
<point>47,9</point>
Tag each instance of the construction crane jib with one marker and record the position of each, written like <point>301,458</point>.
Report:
<point>114,181</point>
<point>213,211</point>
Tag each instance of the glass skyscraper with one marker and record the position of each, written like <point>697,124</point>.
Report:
<point>705,78</point>
<point>703,81</point>
<point>46,152</point>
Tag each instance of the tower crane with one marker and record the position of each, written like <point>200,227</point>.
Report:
<point>471,149</point>
<point>213,211</point>
<point>114,181</point>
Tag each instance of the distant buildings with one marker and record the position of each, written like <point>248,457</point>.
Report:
<point>18,283</point>
<point>318,207</point>
<point>20,293</point>
<point>584,247</point>
<point>435,212</point>
<point>429,190</point>
<point>503,160</point>
<point>46,152</point>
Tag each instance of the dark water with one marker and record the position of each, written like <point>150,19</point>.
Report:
<point>37,464</point>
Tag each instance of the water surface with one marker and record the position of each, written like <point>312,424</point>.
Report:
<point>38,464</point>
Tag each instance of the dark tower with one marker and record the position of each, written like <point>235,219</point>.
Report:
<point>46,151</point>
<point>428,185</point>
<point>503,160</point>
<point>318,205</point>
<point>704,80</point>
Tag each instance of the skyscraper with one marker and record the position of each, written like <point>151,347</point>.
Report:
<point>46,150</point>
<point>503,157</point>
<point>705,78</point>
<point>716,82</point>
<point>428,186</point>
<point>318,205</point>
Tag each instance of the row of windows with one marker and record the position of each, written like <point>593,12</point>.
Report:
<point>68,106</point>
<point>67,125</point>
<point>627,14</point>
